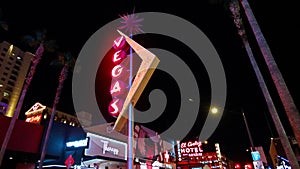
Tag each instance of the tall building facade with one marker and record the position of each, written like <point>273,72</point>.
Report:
<point>14,65</point>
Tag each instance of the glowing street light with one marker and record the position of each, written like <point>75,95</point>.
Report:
<point>214,110</point>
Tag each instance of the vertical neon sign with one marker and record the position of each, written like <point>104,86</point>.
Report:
<point>118,86</point>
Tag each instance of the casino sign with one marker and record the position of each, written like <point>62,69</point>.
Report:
<point>191,149</point>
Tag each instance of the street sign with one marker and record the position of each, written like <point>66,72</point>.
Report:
<point>258,164</point>
<point>255,156</point>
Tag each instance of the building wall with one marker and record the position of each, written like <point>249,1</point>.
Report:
<point>14,65</point>
<point>23,146</point>
<point>62,117</point>
<point>26,137</point>
<point>56,148</point>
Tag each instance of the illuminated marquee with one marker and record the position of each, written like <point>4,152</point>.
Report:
<point>191,149</point>
<point>105,147</point>
<point>34,114</point>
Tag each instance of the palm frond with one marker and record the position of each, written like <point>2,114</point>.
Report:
<point>51,45</point>
<point>4,25</point>
<point>62,59</point>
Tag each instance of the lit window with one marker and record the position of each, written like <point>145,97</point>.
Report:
<point>1,85</point>
<point>5,94</point>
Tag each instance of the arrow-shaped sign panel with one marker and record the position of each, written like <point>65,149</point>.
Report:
<point>145,71</point>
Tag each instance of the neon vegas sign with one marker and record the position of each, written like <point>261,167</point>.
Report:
<point>191,149</point>
<point>118,86</point>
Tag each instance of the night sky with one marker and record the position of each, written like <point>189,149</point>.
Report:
<point>73,23</point>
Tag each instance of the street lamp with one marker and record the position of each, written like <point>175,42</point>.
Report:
<point>214,110</point>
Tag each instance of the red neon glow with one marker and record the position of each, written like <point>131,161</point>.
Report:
<point>115,106</point>
<point>248,166</point>
<point>166,157</point>
<point>119,42</point>
<point>237,166</point>
<point>34,119</point>
<point>116,71</point>
<point>117,86</point>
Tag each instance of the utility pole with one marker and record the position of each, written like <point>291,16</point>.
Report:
<point>249,134</point>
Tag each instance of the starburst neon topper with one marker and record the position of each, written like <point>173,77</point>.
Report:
<point>145,71</point>
<point>131,23</point>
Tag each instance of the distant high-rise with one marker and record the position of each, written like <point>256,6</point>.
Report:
<point>14,65</point>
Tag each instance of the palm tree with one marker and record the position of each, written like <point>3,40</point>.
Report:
<point>38,36</point>
<point>38,41</point>
<point>35,61</point>
<point>234,8</point>
<point>284,94</point>
<point>3,24</point>
<point>67,61</point>
<point>3,27</point>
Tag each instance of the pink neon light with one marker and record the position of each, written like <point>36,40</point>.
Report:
<point>115,106</point>
<point>116,71</point>
<point>191,149</point>
<point>119,42</point>
<point>118,56</point>
<point>117,88</point>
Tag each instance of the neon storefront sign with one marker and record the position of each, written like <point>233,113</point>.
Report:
<point>107,148</point>
<point>191,149</point>
<point>77,143</point>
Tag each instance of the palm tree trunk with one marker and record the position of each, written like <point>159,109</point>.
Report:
<point>234,7</point>
<point>278,125</point>
<point>35,62</point>
<point>62,78</point>
<point>284,94</point>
